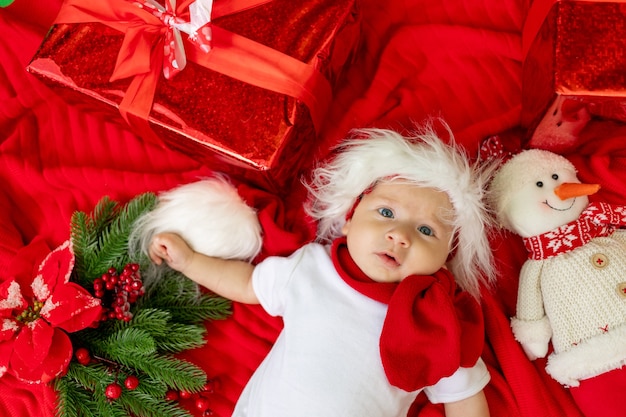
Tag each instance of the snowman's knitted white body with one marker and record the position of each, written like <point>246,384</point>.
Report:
<point>578,300</point>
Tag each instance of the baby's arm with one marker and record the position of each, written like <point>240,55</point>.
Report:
<point>474,406</point>
<point>229,278</point>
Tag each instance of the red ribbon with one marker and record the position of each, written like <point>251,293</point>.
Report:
<point>142,53</point>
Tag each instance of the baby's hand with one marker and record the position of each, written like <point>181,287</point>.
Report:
<point>172,249</point>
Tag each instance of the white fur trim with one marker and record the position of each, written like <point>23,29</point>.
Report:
<point>534,336</point>
<point>589,358</point>
<point>210,215</point>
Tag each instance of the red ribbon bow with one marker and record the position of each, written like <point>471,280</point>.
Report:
<point>197,28</point>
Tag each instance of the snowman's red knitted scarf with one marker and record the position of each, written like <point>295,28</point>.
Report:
<point>598,219</point>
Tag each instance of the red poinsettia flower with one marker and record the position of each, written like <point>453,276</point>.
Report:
<point>34,345</point>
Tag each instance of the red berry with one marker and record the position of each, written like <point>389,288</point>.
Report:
<point>202,404</point>
<point>185,394</point>
<point>171,395</point>
<point>211,385</point>
<point>82,356</point>
<point>113,391</point>
<point>131,382</point>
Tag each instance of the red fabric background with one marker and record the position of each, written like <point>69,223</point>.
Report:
<point>460,59</point>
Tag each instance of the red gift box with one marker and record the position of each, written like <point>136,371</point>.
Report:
<point>575,50</point>
<point>250,106</point>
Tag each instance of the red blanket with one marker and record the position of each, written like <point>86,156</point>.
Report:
<point>460,59</point>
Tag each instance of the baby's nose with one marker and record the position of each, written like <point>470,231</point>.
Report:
<point>399,235</point>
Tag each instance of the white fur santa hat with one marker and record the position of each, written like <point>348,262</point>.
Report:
<point>209,214</point>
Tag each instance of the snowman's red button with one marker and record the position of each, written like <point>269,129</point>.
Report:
<point>599,260</point>
<point>621,289</point>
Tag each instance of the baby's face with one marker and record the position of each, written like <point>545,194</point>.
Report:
<point>398,230</point>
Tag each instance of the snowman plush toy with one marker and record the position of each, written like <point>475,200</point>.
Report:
<point>572,287</point>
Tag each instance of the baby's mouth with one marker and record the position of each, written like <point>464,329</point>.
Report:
<point>388,259</point>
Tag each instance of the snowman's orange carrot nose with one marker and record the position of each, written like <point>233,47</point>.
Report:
<point>572,189</point>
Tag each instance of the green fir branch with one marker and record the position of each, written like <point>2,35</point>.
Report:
<point>181,337</point>
<point>68,397</point>
<point>113,241</point>
<point>105,407</point>
<point>102,214</point>
<point>140,403</point>
<point>174,372</point>
<point>186,303</point>
<point>152,387</point>
<point>169,337</point>
<point>101,238</point>
<point>168,319</point>
<point>88,376</point>
<point>73,400</point>
<point>113,252</point>
<point>86,230</point>
<point>205,307</point>
<point>83,241</point>
<point>136,350</point>
<point>154,321</point>
<point>129,342</point>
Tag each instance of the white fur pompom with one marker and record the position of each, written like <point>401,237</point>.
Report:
<point>209,214</point>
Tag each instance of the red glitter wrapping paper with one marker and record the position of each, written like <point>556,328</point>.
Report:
<point>575,49</point>
<point>230,108</point>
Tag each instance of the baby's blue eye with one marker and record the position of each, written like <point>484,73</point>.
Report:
<point>425,230</point>
<point>385,212</point>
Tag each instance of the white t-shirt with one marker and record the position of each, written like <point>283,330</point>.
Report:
<point>326,361</point>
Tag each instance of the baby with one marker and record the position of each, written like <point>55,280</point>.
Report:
<point>384,304</point>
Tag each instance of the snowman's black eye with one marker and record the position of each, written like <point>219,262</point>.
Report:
<point>555,176</point>
<point>539,184</point>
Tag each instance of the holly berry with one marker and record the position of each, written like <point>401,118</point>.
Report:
<point>113,391</point>
<point>171,395</point>
<point>202,404</point>
<point>131,382</point>
<point>82,356</point>
<point>211,386</point>
<point>185,395</point>
<point>118,291</point>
